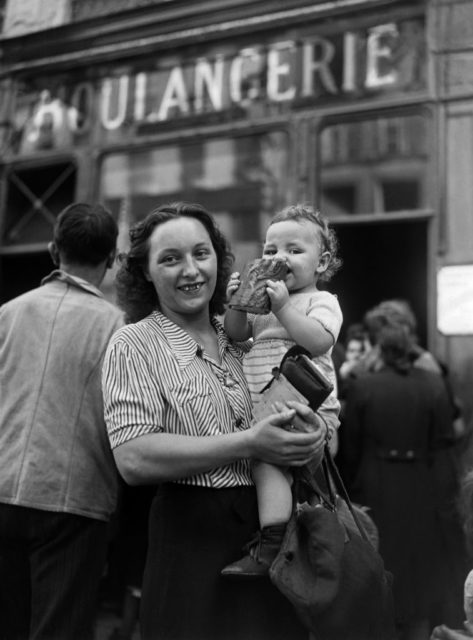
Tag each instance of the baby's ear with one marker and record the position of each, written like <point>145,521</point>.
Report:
<point>324,262</point>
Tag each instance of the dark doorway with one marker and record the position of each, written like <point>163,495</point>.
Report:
<point>22,272</point>
<point>382,261</point>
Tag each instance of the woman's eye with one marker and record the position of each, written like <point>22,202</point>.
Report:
<point>169,260</point>
<point>202,254</point>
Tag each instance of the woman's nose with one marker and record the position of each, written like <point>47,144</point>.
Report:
<point>190,267</point>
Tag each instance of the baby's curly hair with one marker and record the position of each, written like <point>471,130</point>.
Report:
<point>135,294</point>
<point>327,234</point>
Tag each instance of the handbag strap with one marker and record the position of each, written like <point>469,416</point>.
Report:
<point>341,489</point>
<point>333,479</point>
<point>304,477</point>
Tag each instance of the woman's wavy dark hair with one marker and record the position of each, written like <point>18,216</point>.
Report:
<point>388,312</point>
<point>395,343</point>
<point>135,294</point>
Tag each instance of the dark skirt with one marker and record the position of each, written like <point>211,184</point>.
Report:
<point>194,532</point>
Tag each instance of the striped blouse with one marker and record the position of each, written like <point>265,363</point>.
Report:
<point>156,378</point>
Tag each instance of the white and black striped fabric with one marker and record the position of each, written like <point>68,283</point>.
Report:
<point>156,378</point>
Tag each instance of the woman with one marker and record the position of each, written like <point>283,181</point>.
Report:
<point>178,411</point>
<point>396,420</point>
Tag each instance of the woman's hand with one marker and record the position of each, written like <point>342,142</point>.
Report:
<point>445,633</point>
<point>233,284</point>
<point>272,440</point>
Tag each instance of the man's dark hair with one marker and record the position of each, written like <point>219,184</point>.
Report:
<point>136,295</point>
<point>85,234</point>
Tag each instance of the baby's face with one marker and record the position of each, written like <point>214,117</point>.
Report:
<point>299,244</point>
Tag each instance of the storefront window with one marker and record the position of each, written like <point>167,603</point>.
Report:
<point>377,165</point>
<point>240,180</point>
<point>35,196</point>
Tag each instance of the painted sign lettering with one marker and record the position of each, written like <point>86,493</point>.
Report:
<point>382,58</point>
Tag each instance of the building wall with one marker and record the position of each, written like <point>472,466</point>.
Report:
<point>26,16</point>
<point>450,45</point>
<point>89,9</point>
<point>452,54</point>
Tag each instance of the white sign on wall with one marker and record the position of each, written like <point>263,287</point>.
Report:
<point>455,300</point>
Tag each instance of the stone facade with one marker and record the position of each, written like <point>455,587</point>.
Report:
<point>452,45</point>
<point>85,9</point>
<point>26,16</point>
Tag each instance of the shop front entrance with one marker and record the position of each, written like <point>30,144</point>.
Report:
<point>381,261</point>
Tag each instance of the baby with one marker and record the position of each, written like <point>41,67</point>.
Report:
<point>300,314</point>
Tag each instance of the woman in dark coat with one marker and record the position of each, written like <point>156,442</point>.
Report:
<point>395,421</point>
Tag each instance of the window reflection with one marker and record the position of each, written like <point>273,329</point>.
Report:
<point>375,165</point>
<point>241,180</point>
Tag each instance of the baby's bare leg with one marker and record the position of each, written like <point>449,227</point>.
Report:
<point>273,488</point>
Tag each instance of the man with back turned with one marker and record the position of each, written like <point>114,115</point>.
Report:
<point>58,480</point>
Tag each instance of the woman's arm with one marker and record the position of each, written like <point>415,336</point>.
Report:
<point>161,457</point>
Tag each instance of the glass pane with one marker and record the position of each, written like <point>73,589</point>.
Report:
<point>241,181</point>
<point>362,159</point>
<point>34,198</point>
<point>400,195</point>
<point>339,200</point>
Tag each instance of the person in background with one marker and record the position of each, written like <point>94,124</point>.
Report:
<point>400,311</point>
<point>300,314</point>
<point>58,479</point>
<point>178,412</point>
<point>397,421</point>
<point>446,465</point>
<point>355,345</point>
<point>443,631</point>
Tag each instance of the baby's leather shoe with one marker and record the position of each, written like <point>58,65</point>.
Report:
<point>262,551</point>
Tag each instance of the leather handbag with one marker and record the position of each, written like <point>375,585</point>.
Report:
<point>327,566</point>
<point>303,374</point>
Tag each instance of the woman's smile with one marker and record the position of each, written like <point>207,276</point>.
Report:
<point>192,288</point>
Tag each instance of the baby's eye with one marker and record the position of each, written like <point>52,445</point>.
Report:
<point>269,251</point>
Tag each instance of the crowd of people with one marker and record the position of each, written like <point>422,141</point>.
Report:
<point>128,436</point>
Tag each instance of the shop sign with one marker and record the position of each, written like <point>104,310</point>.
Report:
<point>313,70</point>
<point>455,300</point>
